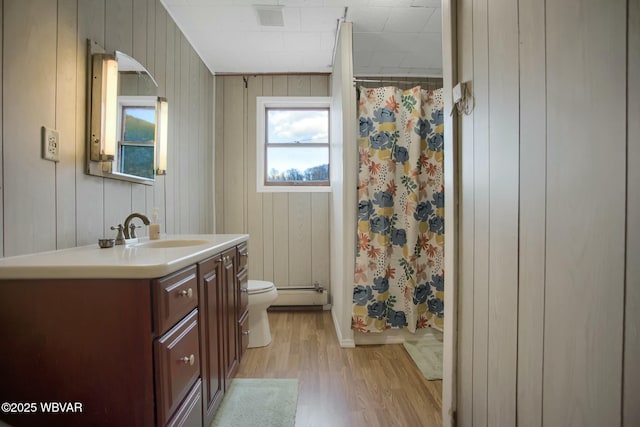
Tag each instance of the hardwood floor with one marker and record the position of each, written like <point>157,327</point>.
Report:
<point>363,386</point>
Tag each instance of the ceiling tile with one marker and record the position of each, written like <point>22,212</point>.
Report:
<point>408,20</point>
<point>381,59</point>
<point>362,58</point>
<point>346,3</point>
<point>422,59</point>
<point>232,19</point>
<point>426,3</point>
<point>382,41</point>
<point>261,41</point>
<point>291,20</point>
<point>303,41</point>
<point>418,72</point>
<point>301,3</point>
<point>435,22</point>
<point>430,41</point>
<point>388,3</point>
<point>390,36</point>
<point>320,18</point>
<point>368,19</point>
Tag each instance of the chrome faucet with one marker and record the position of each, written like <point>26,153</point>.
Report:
<point>130,230</point>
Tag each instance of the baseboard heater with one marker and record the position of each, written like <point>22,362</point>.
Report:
<point>301,298</point>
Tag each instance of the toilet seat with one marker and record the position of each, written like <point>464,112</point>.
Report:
<point>259,286</point>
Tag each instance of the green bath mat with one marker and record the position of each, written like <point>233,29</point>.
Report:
<point>258,402</point>
<point>426,352</point>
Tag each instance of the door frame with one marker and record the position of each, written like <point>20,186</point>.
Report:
<point>449,77</point>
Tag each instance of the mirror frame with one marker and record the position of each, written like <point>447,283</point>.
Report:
<point>105,168</point>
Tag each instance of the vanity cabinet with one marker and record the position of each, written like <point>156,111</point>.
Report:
<point>134,352</point>
<point>220,309</point>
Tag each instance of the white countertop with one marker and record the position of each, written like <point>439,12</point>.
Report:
<point>119,262</point>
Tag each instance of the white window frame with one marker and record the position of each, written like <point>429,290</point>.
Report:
<point>265,102</point>
<point>134,101</point>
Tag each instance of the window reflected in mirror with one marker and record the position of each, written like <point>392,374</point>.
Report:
<point>137,125</point>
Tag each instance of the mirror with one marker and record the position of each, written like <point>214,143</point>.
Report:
<point>122,118</point>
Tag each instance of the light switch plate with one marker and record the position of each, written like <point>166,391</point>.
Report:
<point>50,144</point>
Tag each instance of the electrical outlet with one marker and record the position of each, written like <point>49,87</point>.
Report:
<point>50,144</point>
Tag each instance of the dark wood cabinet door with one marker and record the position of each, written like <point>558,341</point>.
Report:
<point>230,296</point>
<point>211,333</point>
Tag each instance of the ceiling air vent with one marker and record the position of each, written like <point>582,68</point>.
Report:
<point>269,16</point>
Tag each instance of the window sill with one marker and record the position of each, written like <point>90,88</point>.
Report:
<point>293,189</point>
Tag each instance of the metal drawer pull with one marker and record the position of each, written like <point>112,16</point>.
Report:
<point>186,293</point>
<point>244,290</point>
<point>190,360</point>
<point>246,332</point>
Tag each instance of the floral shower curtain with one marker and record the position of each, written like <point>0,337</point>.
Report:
<point>399,271</point>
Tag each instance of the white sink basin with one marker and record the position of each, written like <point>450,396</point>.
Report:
<point>171,243</point>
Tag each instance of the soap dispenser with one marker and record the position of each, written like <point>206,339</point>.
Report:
<point>154,227</point>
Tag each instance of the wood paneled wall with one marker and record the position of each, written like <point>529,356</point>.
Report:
<point>52,206</point>
<point>289,232</point>
<point>549,233</point>
<point>631,367</point>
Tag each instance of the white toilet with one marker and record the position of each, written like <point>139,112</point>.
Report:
<point>261,295</point>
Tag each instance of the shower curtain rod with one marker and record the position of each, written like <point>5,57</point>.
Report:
<point>392,81</point>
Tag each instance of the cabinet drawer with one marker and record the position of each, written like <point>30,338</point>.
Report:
<point>244,333</point>
<point>189,414</point>
<point>243,288</point>
<point>177,365</point>
<point>173,297</point>
<point>243,256</point>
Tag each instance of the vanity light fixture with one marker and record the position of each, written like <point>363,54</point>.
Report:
<point>104,104</point>
<point>162,124</point>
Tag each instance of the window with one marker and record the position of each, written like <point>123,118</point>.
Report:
<point>293,144</point>
<point>136,135</point>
